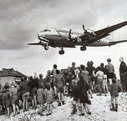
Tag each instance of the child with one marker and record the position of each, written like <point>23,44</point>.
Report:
<point>75,93</point>
<point>6,99</point>
<point>40,99</point>
<point>100,76</point>
<point>114,92</point>
<point>14,99</point>
<point>49,98</point>
<point>105,85</point>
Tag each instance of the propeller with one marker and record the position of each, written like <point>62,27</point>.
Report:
<point>84,29</point>
<point>69,35</point>
<point>38,35</point>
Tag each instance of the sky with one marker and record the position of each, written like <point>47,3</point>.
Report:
<point>20,21</point>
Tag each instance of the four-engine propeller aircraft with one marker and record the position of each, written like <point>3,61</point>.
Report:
<point>69,39</point>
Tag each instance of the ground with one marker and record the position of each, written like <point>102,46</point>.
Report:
<point>100,111</point>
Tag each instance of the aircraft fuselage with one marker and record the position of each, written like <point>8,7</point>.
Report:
<point>61,41</point>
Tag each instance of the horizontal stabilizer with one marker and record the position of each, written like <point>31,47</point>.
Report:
<point>115,42</point>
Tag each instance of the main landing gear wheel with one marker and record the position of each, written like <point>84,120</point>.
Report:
<point>83,48</point>
<point>61,52</point>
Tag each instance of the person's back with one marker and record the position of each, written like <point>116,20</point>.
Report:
<point>40,95</point>
<point>83,87</point>
<point>102,68</point>
<point>99,74</point>
<point>40,91</point>
<point>110,68</point>
<point>59,79</point>
<point>114,90</point>
<point>24,87</point>
<point>13,90</point>
<point>84,76</point>
<point>49,95</point>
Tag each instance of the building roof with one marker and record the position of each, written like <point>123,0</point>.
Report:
<point>11,72</point>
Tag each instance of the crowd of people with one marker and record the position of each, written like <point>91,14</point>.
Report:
<point>77,82</point>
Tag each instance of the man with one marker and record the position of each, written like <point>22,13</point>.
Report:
<point>123,74</point>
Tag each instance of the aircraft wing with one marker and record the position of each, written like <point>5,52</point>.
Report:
<point>104,32</point>
<point>111,28</point>
<point>115,42</point>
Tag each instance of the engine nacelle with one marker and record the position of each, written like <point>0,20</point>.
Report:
<point>79,40</point>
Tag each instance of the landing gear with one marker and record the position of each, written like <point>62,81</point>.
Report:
<point>61,52</point>
<point>46,47</point>
<point>83,48</point>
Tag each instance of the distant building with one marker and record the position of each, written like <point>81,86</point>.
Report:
<point>10,76</point>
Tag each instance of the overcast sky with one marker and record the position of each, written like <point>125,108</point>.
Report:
<point>21,20</point>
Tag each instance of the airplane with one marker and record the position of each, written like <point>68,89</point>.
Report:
<point>68,39</point>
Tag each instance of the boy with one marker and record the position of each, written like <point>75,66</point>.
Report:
<point>114,92</point>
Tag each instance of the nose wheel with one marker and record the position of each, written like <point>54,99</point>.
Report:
<point>83,48</point>
<point>46,47</point>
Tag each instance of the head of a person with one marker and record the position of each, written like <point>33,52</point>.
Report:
<point>40,75</point>
<point>102,64</point>
<point>77,71</point>
<point>74,76</point>
<point>108,60</point>
<point>57,71</point>
<point>73,64</point>
<point>113,80</point>
<point>25,77</point>
<point>82,67</point>
<point>98,68</point>
<point>88,63</point>
<point>91,63</point>
<point>121,59</point>
<point>74,82</point>
<point>22,79</point>
<point>30,78</point>
<point>55,66</point>
<point>81,78</point>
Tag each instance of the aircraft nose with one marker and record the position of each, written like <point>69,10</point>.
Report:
<point>40,34</point>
